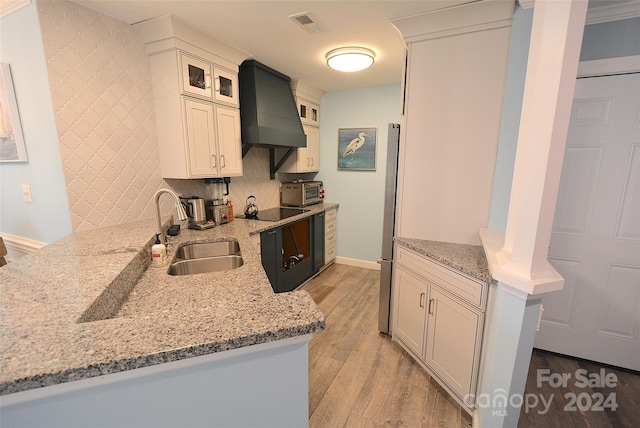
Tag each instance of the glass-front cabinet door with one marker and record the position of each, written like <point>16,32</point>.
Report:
<point>309,112</point>
<point>196,76</point>
<point>225,86</point>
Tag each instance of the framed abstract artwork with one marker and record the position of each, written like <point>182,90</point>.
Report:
<point>12,147</point>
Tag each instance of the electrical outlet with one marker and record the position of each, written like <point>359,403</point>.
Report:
<point>26,193</point>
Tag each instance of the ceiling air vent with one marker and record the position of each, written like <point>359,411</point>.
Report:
<point>305,21</point>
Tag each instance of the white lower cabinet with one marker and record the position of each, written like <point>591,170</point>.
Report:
<point>410,313</point>
<point>438,319</point>
<point>453,342</point>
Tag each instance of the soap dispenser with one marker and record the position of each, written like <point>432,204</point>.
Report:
<point>158,253</point>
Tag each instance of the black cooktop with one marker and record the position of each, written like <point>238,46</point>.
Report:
<point>277,214</point>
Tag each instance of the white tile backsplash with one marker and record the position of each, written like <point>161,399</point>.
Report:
<point>101,90</point>
<point>255,181</point>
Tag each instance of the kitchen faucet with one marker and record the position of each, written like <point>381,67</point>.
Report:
<point>182,215</point>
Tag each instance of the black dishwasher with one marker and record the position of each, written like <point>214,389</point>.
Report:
<point>293,253</point>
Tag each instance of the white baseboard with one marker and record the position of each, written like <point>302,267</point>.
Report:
<point>357,263</point>
<point>18,246</point>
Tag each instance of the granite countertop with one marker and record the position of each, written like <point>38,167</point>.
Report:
<point>468,259</point>
<point>86,305</point>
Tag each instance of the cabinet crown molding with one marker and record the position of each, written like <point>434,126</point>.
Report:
<point>599,12</point>
<point>310,93</point>
<point>162,29</point>
<point>466,18</point>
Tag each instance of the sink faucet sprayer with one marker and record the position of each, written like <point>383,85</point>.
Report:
<point>182,215</point>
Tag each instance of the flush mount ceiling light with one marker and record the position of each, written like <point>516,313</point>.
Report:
<point>350,58</point>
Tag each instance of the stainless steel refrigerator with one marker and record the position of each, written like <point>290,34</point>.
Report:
<point>388,227</point>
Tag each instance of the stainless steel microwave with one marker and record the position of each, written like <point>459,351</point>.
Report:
<point>301,194</point>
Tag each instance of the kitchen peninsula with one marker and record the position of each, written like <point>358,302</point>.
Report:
<point>90,336</point>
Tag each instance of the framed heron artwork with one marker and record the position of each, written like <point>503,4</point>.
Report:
<point>357,148</point>
<point>11,140</point>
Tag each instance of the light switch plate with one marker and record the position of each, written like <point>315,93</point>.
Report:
<point>26,193</point>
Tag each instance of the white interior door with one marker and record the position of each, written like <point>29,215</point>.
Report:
<point>595,244</point>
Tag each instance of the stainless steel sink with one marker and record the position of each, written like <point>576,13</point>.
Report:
<point>206,264</point>
<point>202,257</point>
<point>201,250</point>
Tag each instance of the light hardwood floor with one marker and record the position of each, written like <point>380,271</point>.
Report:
<point>360,378</point>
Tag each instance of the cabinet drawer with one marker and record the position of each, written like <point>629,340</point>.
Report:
<point>329,254</point>
<point>330,227</point>
<point>330,240</point>
<point>331,215</point>
<point>457,283</point>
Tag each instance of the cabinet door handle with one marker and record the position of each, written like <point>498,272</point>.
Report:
<point>422,296</point>
<point>215,162</point>
<point>431,306</point>
<point>223,162</point>
<point>207,81</point>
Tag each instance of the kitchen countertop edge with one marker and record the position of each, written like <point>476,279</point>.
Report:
<point>308,316</point>
<point>468,259</point>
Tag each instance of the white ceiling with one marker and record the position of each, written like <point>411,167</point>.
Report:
<point>262,29</point>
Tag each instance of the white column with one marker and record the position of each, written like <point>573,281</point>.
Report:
<point>518,258</point>
<point>554,52</point>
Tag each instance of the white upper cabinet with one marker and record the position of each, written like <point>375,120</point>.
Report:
<point>195,76</point>
<point>309,111</point>
<point>204,79</point>
<point>225,86</point>
<point>201,78</point>
<point>229,141</point>
<point>195,90</point>
<point>306,159</point>
<point>455,80</point>
<point>213,137</point>
<point>201,139</point>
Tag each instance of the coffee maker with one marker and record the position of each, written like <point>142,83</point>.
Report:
<point>195,209</point>
<point>216,208</point>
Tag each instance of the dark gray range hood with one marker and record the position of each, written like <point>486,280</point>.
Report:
<point>268,112</point>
